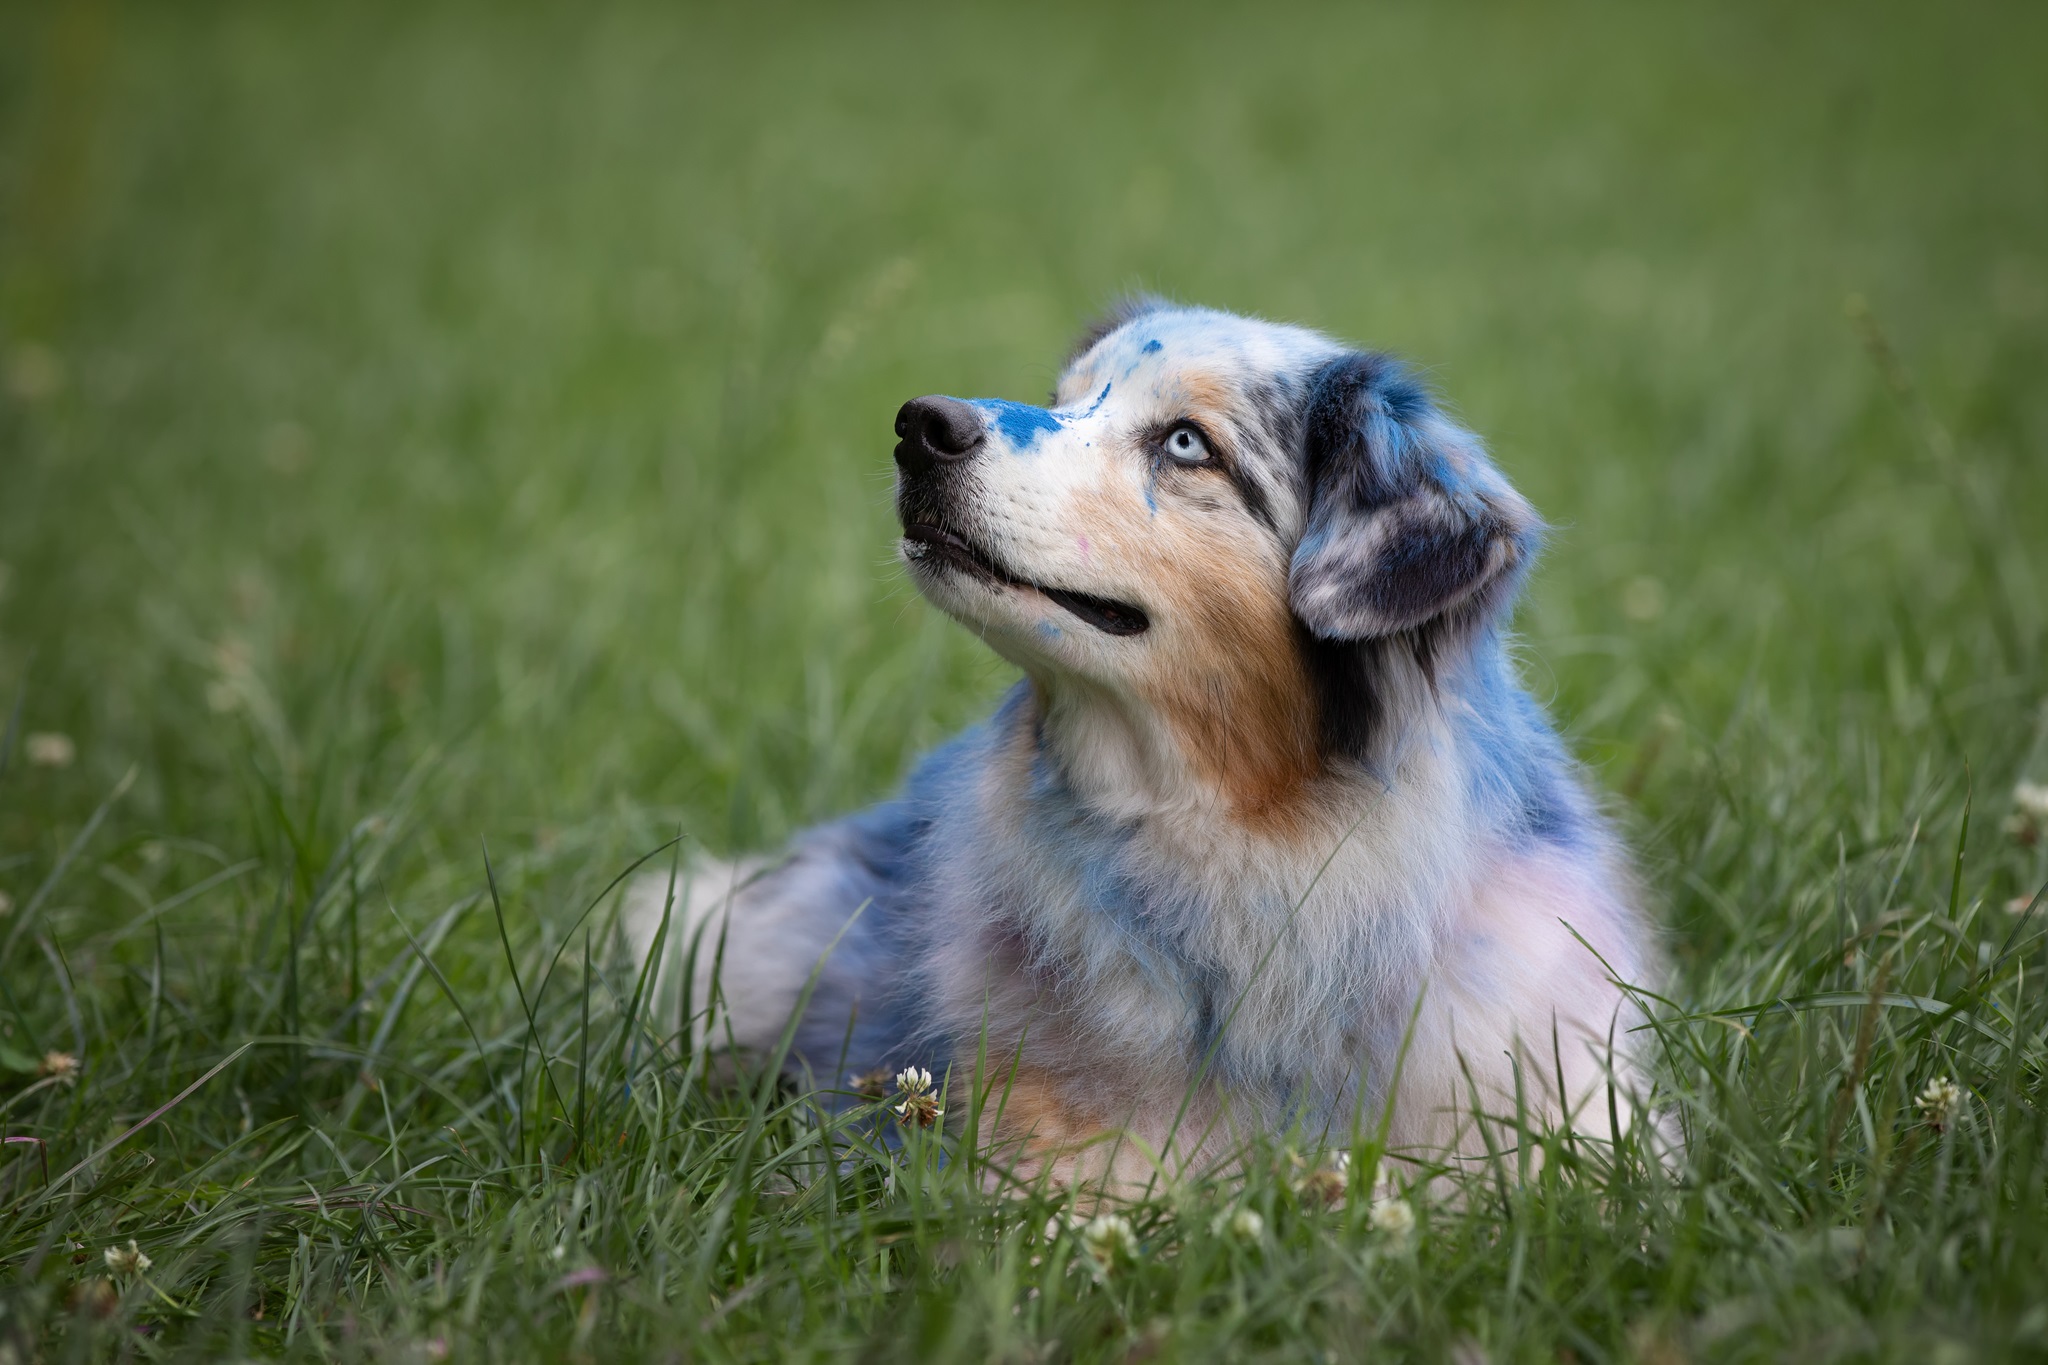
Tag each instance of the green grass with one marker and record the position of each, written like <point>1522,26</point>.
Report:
<point>431,429</point>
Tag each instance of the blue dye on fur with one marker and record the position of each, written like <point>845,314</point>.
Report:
<point>1098,400</point>
<point>1152,346</point>
<point>1021,423</point>
<point>1517,768</point>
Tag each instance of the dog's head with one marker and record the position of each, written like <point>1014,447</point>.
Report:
<point>1212,516</point>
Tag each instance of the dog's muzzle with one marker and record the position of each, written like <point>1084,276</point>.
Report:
<point>933,435</point>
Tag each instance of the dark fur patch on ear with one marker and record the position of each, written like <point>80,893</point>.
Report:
<point>1409,526</point>
<point>1359,429</point>
<point>1129,308</point>
<point>1418,559</point>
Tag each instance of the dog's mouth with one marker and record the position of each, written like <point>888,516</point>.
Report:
<point>924,543</point>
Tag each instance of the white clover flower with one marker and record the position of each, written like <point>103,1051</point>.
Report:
<point>131,1260</point>
<point>48,749</point>
<point>1247,1226</point>
<point>919,1104</point>
<point>1393,1217</point>
<point>1939,1102</point>
<point>1109,1239</point>
<point>61,1065</point>
<point>1326,1184</point>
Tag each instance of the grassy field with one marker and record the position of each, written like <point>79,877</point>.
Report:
<point>434,429</point>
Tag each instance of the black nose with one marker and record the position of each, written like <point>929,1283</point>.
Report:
<point>935,430</point>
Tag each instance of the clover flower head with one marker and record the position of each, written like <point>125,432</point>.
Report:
<point>61,1065</point>
<point>918,1104</point>
<point>1246,1225</point>
<point>128,1260</point>
<point>1393,1217</point>
<point>1324,1185</point>
<point>1939,1101</point>
<point>1110,1239</point>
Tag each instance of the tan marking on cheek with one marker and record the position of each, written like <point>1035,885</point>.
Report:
<point>1113,519</point>
<point>1224,670</point>
<point>1230,679</point>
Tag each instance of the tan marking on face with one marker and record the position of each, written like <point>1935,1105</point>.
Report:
<point>1239,694</point>
<point>1205,395</point>
<point>1224,669</point>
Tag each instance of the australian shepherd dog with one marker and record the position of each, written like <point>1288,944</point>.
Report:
<point>1268,834</point>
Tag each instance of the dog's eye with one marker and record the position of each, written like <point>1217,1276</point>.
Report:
<point>1185,445</point>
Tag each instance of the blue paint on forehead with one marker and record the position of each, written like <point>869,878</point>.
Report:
<point>1152,345</point>
<point>1020,423</point>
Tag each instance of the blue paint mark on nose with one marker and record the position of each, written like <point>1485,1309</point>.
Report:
<point>1020,423</point>
<point>1153,345</point>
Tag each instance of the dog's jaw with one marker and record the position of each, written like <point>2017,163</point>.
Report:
<point>935,550</point>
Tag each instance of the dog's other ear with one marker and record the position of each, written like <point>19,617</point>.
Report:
<point>1408,521</point>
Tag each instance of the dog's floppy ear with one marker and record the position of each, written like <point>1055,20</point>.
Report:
<point>1408,521</point>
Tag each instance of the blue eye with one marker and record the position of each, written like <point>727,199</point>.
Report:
<point>1185,445</point>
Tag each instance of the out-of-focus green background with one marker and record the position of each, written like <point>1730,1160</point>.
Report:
<point>425,424</point>
<point>543,362</point>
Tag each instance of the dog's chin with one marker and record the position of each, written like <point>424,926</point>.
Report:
<point>945,562</point>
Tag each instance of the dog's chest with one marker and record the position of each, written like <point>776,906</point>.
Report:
<point>1270,970</point>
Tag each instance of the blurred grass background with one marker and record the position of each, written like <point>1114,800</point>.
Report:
<point>469,422</point>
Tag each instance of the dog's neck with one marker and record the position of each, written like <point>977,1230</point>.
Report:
<point>1245,753</point>
<point>1116,754</point>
